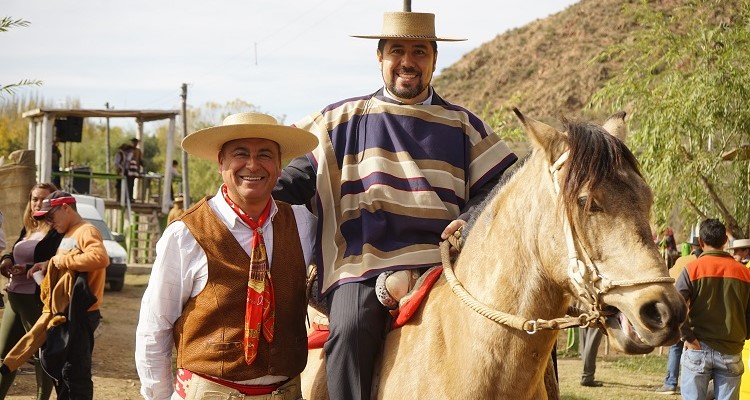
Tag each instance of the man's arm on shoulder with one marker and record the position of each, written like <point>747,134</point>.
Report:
<point>307,229</point>
<point>170,286</point>
<point>296,185</point>
<point>93,255</point>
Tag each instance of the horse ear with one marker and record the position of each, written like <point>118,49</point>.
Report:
<point>542,135</point>
<point>615,125</point>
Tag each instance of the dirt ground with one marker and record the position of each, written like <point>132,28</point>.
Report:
<point>113,364</point>
<point>115,376</point>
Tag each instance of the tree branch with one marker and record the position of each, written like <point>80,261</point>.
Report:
<point>732,225</point>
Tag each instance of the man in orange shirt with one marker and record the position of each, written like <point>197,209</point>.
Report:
<point>80,250</point>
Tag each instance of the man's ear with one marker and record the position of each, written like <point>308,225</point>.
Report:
<point>220,159</point>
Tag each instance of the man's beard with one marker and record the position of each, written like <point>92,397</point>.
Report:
<point>405,93</point>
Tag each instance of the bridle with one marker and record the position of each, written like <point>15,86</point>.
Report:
<point>588,283</point>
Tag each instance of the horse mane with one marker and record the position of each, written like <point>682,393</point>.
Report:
<point>474,214</point>
<point>595,156</point>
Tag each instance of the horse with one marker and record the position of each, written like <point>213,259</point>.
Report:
<point>572,223</point>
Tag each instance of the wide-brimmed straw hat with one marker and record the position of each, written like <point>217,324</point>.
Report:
<point>739,244</point>
<point>408,26</point>
<point>206,143</point>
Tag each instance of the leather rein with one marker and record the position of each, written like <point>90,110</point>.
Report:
<point>585,278</point>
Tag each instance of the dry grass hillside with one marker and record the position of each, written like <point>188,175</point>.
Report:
<point>545,68</point>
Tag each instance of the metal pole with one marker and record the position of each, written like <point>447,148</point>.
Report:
<point>407,5</point>
<point>185,186</point>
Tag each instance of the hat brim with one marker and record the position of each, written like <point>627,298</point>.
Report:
<point>41,213</point>
<point>206,143</point>
<point>428,38</point>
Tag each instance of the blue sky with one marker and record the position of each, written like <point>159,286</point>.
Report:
<point>137,53</point>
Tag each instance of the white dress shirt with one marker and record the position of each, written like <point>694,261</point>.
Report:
<point>179,273</point>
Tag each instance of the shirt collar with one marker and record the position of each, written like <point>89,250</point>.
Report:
<point>426,101</point>
<point>228,215</point>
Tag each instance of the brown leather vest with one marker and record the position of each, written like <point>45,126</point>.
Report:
<point>208,335</point>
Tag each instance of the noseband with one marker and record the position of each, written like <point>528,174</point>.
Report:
<point>589,284</point>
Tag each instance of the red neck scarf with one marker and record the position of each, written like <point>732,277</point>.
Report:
<point>259,308</point>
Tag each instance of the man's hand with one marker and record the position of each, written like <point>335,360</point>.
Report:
<point>452,227</point>
<point>40,266</point>
<point>694,345</point>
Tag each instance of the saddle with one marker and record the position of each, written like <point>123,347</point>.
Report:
<point>406,307</point>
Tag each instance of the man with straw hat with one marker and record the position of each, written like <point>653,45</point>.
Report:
<point>397,171</point>
<point>227,288</point>
<point>741,250</point>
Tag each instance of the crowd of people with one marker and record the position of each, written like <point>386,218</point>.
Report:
<point>369,179</point>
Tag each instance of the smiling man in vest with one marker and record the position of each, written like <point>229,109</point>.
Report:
<point>227,288</point>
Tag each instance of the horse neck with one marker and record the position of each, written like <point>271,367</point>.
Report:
<point>511,262</point>
<point>517,245</point>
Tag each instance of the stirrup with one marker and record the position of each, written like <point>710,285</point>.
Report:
<point>392,286</point>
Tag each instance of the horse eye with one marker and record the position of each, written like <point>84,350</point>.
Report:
<point>593,208</point>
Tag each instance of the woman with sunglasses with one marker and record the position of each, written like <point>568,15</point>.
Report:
<point>37,243</point>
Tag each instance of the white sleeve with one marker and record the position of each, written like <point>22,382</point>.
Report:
<point>179,272</point>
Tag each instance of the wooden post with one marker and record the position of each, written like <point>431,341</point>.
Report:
<point>44,149</point>
<point>107,165</point>
<point>166,201</point>
<point>185,185</point>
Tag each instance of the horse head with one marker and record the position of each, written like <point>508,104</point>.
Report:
<point>602,233</point>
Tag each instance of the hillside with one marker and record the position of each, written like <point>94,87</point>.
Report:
<point>545,67</point>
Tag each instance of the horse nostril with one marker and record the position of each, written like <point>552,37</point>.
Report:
<point>655,315</point>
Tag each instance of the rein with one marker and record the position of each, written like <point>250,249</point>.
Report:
<point>584,276</point>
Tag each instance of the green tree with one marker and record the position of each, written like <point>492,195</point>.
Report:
<point>685,83</point>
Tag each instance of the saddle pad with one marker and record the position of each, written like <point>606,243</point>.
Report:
<point>409,305</point>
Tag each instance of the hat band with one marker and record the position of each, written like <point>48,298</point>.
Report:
<point>62,200</point>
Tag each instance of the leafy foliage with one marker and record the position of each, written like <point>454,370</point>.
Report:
<point>5,24</point>
<point>685,83</point>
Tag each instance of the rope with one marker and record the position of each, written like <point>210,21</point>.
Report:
<point>510,320</point>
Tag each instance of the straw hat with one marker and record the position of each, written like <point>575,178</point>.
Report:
<point>409,26</point>
<point>206,143</point>
<point>739,244</point>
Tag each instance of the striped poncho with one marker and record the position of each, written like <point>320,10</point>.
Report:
<point>389,179</point>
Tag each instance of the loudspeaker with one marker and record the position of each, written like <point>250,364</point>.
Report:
<point>69,129</point>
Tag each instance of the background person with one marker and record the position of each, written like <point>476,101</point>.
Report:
<point>227,288</point>
<point>675,351</point>
<point>740,249</point>
<point>123,158</point>
<point>81,250</point>
<point>717,290</point>
<point>591,338</point>
<point>396,172</point>
<point>36,244</point>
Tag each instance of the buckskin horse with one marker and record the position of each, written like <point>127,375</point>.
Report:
<point>571,224</point>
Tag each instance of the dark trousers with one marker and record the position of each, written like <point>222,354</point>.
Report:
<point>590,340</point>
<point>76,383</point>
<point>358,325</point>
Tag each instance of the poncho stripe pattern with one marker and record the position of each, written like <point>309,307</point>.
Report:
<point>390,177</point>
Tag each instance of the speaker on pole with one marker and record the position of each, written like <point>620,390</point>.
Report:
<point>69,129</point>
